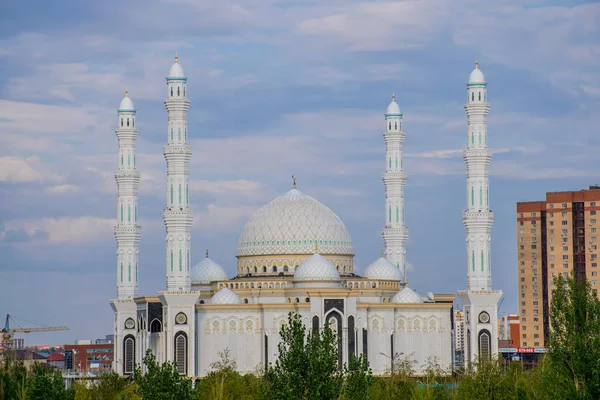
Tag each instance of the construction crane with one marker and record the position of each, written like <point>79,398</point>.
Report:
<point>7,332</point>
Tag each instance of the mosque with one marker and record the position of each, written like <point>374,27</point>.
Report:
<point>295,255</point>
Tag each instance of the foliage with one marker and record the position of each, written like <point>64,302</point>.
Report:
<point>225,383</point>
<point>307,366</point>
<point>574,339</point>
<point>106,386</point>
<point>358,378</point>
<point>161,381</point>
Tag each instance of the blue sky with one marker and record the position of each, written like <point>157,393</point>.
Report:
<point>278,88</point>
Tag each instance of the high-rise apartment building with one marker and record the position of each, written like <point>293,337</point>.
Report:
<point>555,236</point>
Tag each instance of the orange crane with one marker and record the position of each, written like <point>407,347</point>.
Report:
<point>7,332</point>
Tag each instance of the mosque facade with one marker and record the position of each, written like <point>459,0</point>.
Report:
<point>294,255</point>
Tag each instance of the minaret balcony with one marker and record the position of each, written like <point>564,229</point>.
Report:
<point>393,177</point>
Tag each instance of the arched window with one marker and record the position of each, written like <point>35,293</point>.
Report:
<point>181,352</point>
<point>183,92</point>
<point>179,192</point>
<point>127,121</point>
<point>171,134</point>
<point>485,350</point>
<point>390,214</point>
<point>245,301</point>
<point>128,355</point>
<point>155,326</point>
<point>274,269</point>
<point>121,272</point>
<point>397,215</point>
<point>132,121</point>
<point>171,260</point>
<point>171,91</point>
<point>121,121</point>
<point>315,323</point>
<point>264,269</point>
<point>473,96</point>
<point>473,260</point>
<point>480,137</point>
<point>122,213</point>
<point>128,212</point>
<point>171,194</point>
<point>307,300</point>
<point>187,194</point>
<point>390,126</point>
<point>396,125</point>
<point>179,133</point>
<point>129,272</point>
<point>479,96</point>
<point>285,268</point>
<point>136,271</point>
<point>180,260</point>
<point>472,195</point>
<point>255,269</point>
<point>178,93</point>
<point>482,261</point>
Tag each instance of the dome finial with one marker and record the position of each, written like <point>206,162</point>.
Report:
<point>316,247</point>
<point>380,253</point>
<point>476,63</point>
<point>206,253</point>
<point>294,179</point>
<point>393,96</point>
<point>126,92</point>
<point>176,58</point>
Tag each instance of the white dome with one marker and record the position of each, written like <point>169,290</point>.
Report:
<point>316,268</point>
<point>407,295</point>
<point>382,269</point>
<point>393,107</point>
<point>207,271</point>
<point>176,71</point>
<point>292,224</point>
<point>476,76</point>
<point>226,296</point>
<point>126,103</point>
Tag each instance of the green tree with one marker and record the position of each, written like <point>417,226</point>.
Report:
<point>358,378</point>
<point>573,369</point>
<point>161,381</point>
<point>307,366</point>
<point>46,384</point>
<point>224,382</point>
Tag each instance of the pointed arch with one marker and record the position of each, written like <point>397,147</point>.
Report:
<point>181,351</point>
<point>128,355</point>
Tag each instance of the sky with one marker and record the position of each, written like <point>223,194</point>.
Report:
<point>278,88</point>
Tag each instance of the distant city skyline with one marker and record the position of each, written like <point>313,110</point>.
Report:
<point>304,86</point>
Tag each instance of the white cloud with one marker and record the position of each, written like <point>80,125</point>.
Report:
<point>68,230</point>
<point>215,219</point>
<point>62,189</point>
<point>30,169</point>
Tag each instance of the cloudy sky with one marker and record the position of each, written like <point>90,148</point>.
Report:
<point>278,88</point>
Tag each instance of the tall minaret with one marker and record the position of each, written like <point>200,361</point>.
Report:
<point>178,215</point>
<point>479,300</point>
<point>394,232</point>
<point>127,231</point>
<point>477,217</point>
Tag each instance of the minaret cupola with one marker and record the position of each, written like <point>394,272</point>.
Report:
<point>393,116</point>
<point>476,86</point>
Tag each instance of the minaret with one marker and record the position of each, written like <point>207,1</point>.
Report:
<point>479,300</point>
<point>127,231</point>
<point>394,232</point>
<point>477,217</point>
<point>178,215</point>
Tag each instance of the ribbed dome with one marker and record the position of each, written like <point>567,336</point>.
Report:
<point>393,108</point>
<point>226,296</point>
<point>382,269</point>
<point>316,268</point>
<point>207,271</point>
<point>407,295</point>
<point>126,103</point>
<point>176,71</point>
<point>292,224</point>
<point>476,76</point>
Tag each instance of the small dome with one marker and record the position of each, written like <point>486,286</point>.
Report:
<point>176,71</point>
<point>407,295</point>
<point>207,271</point>
<point>393,108</point>
<point>476,76</point>
<point>225,296</point>
<point>382,269</point>
<point>316,268</point>
<point>126,103</point>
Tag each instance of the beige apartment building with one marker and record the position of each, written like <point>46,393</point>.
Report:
<point>555,236</point>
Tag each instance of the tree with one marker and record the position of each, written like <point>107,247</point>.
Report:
<point>358,378</point>
<point>307,366</point>
<point>45,384</point>
<point>574,340</point>
<point>161,381</point>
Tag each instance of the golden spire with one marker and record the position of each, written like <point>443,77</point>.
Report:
<point>316,247</point>
<point>126,92</point>
<point>393,96</point>
<point>294,179</point>
<point>476,63</point>
<point>206,253</point>
<point>176,58</point>
<point>380,253</point>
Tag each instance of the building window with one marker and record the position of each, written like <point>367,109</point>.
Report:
<point>563,214</point>
<point>592,221</point>
<point>128,355</point>
<point>593,212</point>
<point>593,204</point>
<point>484,345</point>
<point>564,223</point>
<point>520,215</point>
<point>521,239</point>
<point>181,352</point>
<point>533,214</point>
